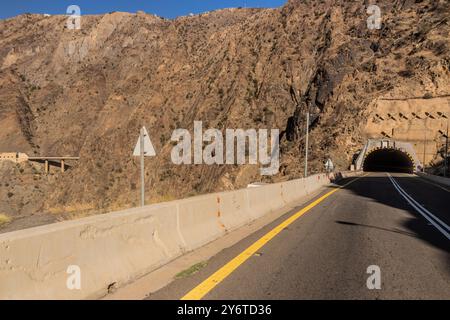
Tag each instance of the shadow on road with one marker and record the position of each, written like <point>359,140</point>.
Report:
<point>380,189</point>
<point>410,234</point>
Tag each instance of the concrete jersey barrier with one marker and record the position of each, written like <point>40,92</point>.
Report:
<point>110,250</point>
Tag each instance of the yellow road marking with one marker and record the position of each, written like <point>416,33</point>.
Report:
<point>206,286</point>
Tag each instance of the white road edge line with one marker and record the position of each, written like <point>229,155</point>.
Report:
<point>420,209</point>
<point>418,206</point>
<point>443,224</point>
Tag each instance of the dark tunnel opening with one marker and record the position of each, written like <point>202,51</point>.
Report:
<point>388,160</point>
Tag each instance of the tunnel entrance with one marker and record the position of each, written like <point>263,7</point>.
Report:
<point>388,160</point>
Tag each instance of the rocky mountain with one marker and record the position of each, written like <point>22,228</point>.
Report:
<point>87,92</point>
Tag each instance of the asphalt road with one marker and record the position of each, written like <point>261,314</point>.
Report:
<point>326,252</point>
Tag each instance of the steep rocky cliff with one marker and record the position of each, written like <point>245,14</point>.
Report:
<point>87,92</point>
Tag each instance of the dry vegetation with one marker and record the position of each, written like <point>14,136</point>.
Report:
<point>87,92</point>
<point>4,219</point>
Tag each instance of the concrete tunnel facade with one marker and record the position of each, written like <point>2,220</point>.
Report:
<point>388,160</point>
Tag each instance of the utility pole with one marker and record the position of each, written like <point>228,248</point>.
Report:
<point>306,144</point>
<point>424,145</point>
<point>446,153</point>
<point>141,137</point>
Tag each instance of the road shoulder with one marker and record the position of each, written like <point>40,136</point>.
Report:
<point>161,277</point>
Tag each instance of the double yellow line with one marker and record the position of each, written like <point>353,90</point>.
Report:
<point>206,286</point>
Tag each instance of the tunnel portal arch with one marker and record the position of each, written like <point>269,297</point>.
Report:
<point>388,160</point>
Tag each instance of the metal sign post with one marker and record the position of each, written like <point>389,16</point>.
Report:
<point>141,138</point>
<point>143,148</point>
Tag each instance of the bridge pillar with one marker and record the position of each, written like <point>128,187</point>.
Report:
<point>62,166</point>
<point>46,167</point>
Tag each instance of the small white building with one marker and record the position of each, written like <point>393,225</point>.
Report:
<point>16,157</point>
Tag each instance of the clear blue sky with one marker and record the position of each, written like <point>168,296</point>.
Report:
<point>163,8</point>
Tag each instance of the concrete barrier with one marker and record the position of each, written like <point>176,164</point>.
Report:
<point>438,179</point>
<point>199,220</point>
<point>336,176</point>
<point>234,209</point>
<point>315,181</point>
<point>291,189</point>
<point>113,249</point>
<point>109,250</point>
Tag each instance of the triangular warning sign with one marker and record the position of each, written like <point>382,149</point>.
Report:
<point>149,151</point>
